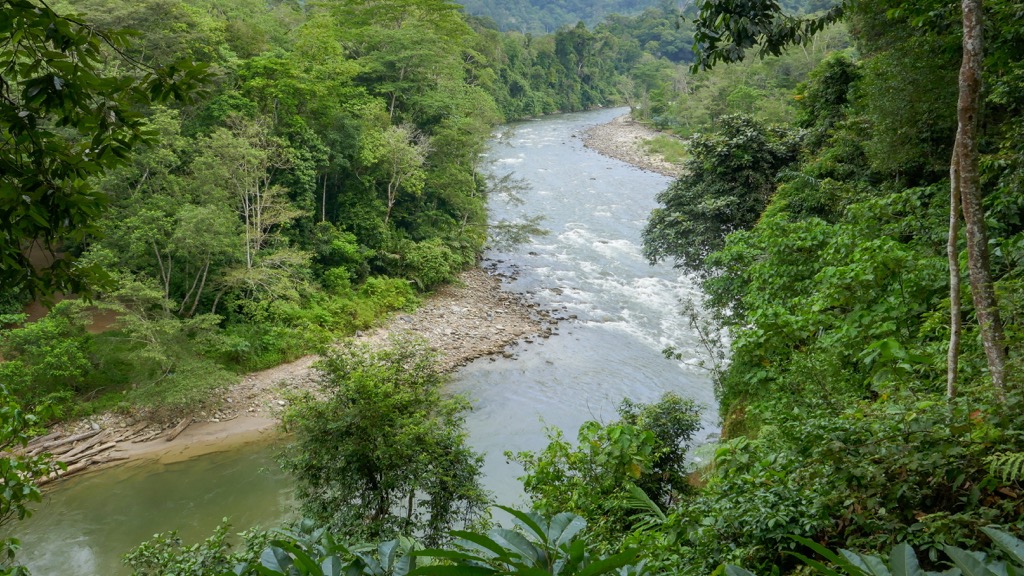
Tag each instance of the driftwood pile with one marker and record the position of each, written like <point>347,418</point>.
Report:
<point>79,452</point>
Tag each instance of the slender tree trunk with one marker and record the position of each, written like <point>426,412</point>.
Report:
<point>323,201</point>
<point>953,354</point>
<point>165,273</point>
<point>409,506</point>
<point>965,151</point>
<point>202,284</point>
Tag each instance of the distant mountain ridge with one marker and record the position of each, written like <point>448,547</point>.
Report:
<point>546,16</point>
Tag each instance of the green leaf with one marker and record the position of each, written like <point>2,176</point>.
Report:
<point>461,570</point>
<point>869,564</point>
<point>969,563</point>
<point>527,521</point>
<point>837,559</point>
<point>516,542</point>
<point>332,566</point>
<point>275,558</point>
<point>480,540</point>
<point>820,567</point>
<point>609,564</point>
<point>564,526</point>
<point>733,570</point>
<point>450,555</point>
<point>1012,546</point>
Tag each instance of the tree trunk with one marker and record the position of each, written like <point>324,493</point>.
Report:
<point>953,354</point>
<point>965,151</point>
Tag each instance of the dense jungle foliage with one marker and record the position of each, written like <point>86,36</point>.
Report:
<point>546,16</point>
<point>324,173</point>
<point>821,246</point>
<point>329,174</point>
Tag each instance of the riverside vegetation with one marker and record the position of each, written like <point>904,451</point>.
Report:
<point>330,172</point>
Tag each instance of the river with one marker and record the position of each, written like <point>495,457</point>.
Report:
<point>620,313</point>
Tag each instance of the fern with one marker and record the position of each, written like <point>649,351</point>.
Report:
<point>649,514</point>
<point>1008,466</point>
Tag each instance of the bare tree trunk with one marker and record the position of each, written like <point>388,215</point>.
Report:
<point>953,354</point>
<point>323,201</point>
<point>199,294</point>
<point>965,150</point>
<point>165,274</point>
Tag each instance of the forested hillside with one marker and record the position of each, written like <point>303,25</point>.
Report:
<point>546,16</point>
<point>325,174</point>
<point>826,246</point>
<point>851,208</point>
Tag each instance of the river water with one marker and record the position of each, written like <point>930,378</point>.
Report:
<point>619,314</point>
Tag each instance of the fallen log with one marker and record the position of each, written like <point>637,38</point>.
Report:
<point>43,439</point>
<point>50,446</point>
<point>85,445</point>
<point>179,429</point>
<point>147,437</point>
<point>89,454</point>
<point>134,431</point>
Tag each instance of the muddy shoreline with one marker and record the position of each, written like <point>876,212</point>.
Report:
<point>471,318</point>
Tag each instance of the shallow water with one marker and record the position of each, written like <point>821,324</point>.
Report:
<point>589,266</point>
<point>87,523</point>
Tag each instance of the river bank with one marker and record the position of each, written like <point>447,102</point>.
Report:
<point>465,320</point>
<point>623,139</point>
<point>468,319</point>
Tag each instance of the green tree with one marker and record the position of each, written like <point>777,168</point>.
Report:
<point>64,120</point>
<point>594,478</point>
<point>726,30</point>
<point>18,475</point>
<point>728,182</point>
<point>48,356</point>
<point>384,453</point>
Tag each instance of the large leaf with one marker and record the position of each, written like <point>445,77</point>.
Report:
<point>277,559</point>
<point>869,564</point>
<point>457,555</point>
<point>332,566</point>
<point>609,564</point>
<point>527,520</point>
<point>733,570</point>
<point>1013,547</point>
<point>903,561</point>
<point>970,563</point>
<point>460,570</point>
<point>517,543</point>
<point>564,527</point>
<point>819,567</point>
<point>837,559</point>
<point>479,540</point>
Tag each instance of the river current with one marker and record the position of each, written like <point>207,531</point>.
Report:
<point>619,313</point>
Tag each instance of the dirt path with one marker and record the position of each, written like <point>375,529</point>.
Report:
<point>468,319</point>
<point>623,139</point>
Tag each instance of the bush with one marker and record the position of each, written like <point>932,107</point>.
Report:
<point>49,356</point>
<point>384,453</point>
<point>646,448</point>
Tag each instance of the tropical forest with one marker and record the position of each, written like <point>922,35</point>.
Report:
<point>511,287</point>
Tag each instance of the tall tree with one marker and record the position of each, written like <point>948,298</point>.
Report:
<point>63,121</point>
<point>384,453</point>
<point>725,30</point>
<point>965,176</point>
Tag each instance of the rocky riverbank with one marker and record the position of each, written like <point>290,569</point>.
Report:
<point>465,320</point>
<point>623,139</point>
